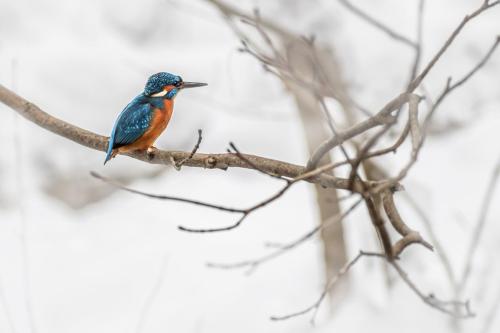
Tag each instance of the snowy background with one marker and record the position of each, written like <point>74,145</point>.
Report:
<point>76,256</point>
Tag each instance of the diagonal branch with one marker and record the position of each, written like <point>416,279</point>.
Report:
<point>245,212</point>
<point>418,48</point>
<point>252,264</point>
<point>331,143</point>
<point>377,24</point>
<point>315,306</point>
<point>165,197</point>
<point>484,6</point>
<point>178,165</point>
<point>479,227</point>
<point>209,161</point>
<point>456,309</point>
<point>382,117</point>
<point>449,87</point>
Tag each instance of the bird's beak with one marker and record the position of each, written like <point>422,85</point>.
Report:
<point>193,84</point>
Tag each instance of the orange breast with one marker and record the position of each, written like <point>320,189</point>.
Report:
<point>159,122</point>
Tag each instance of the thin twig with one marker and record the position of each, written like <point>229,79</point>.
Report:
<point>252,264</point>
<point>315,306</point>
<point>382,117</point>
<point>456,309</point>
<point>178,165</point>
<point>211,161</point>
<point>480,225</point>
<point>417,136</point>
<point>479,65</point>
<point>416,143</point>
<point>418,48</point>
<point>386,118</point>
<point>445,260</point>
<point>165,197</point>
<point>336,140</point>
<point>453,308</point>
<point>253,165</point>
<point>377,24</point>
<point>244,212</point>
<point>485,6</point>
<point>449,87</point>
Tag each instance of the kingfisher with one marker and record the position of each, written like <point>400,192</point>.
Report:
<point>147,115</point>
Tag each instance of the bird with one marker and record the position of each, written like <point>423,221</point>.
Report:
<point>144,119</point>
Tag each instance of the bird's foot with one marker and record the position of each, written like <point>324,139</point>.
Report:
<point>150,153</point>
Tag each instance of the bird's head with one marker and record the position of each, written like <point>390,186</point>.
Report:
<point>167,85</point>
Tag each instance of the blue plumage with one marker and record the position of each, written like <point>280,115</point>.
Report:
<point>137,117</point>
<point>158,81</point>
<point>131,124</point>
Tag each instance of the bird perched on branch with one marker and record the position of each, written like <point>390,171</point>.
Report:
<point>146,117</point>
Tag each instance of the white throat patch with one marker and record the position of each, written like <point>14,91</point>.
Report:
<point>160,94</point>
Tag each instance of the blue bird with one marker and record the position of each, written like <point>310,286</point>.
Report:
<point>146,116</point>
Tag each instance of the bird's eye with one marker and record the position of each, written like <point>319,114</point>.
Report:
<point>178,84</point>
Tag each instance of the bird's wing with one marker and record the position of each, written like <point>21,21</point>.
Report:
<point>132,123</point>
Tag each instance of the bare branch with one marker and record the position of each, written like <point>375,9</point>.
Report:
<point>244,212</point>
<point>252,264</point>
<point>387,117</point>
<point>479,65</point>
<point>379,224</point>
<point>382,117</point>
<point>485,6</point>
<point>315,306</point>
<point>372,192</point>
<point>418,44</point>
<point>409,236</point>
<point>377,24</point>
<point>455,309</point>
<point>254,166</point>
<point>178,165</point>
<point>449,87</point>
<point>230,11</point>
<point>433,237</point>
<point>417,141</point>
<point>210,161</point>
<point>397,102</point>
<point>392,148</point>
<point>165,197</point>
<point>481,221</point>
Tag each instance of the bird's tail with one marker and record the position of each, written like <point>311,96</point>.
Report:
<point>109,153</point>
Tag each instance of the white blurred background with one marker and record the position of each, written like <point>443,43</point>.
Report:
<point>77,256</point>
